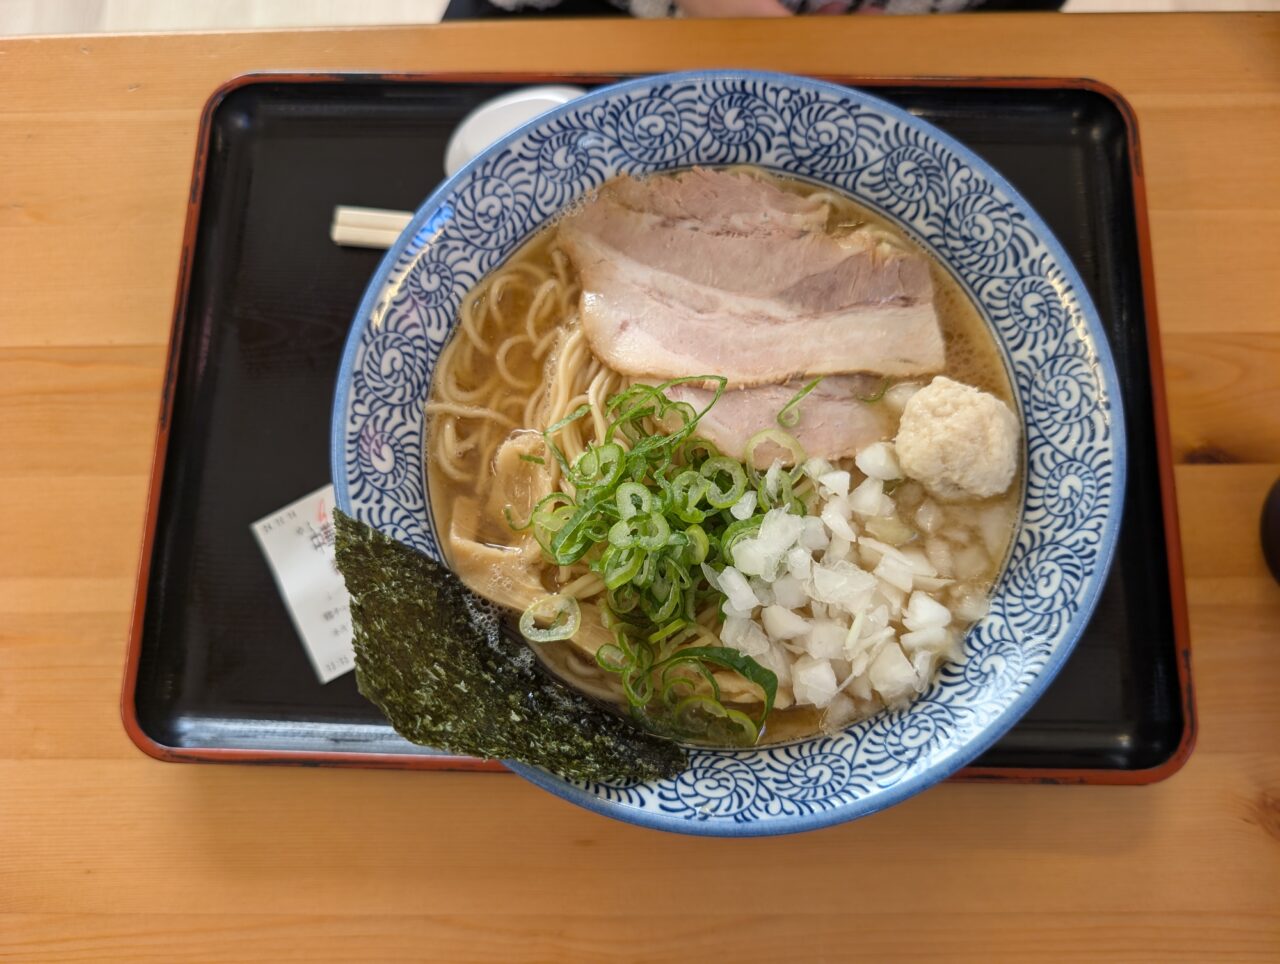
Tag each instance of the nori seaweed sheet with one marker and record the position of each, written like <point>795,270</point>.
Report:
<point>434,658</point>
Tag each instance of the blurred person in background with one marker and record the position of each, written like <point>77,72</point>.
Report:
<point>650,9</point>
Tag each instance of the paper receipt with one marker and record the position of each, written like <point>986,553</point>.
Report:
<point>298,542</point>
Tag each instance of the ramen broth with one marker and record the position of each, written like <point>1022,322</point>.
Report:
<point>493,381</point>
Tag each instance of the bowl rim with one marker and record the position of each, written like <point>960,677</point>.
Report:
<point>1069,636</point>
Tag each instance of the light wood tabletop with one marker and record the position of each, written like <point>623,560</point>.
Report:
<point>105,852</point>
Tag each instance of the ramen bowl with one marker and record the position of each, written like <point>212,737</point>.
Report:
<point>941,195</point>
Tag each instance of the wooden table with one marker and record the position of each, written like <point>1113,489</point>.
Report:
<point>105,852</point>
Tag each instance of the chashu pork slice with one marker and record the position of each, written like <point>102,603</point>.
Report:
<point>731,200</point>
<point>642,320</point>
<point>833,423</point>
<point>759,303</point>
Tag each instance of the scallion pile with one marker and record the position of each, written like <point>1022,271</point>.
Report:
<point>650,512</point>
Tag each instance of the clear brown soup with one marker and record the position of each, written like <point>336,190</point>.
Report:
<point>508,320</point>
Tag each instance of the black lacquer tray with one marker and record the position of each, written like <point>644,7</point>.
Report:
<point>216,671</point>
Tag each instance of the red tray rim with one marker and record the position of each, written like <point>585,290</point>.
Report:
<point>404,761</point>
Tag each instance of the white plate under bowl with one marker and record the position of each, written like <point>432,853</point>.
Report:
<point>940,193</point>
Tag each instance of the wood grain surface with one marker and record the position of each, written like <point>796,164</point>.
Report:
<point>105,853</point>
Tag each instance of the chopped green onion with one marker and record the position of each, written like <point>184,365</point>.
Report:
<point>683,496</point>
<point>647,511</point>
<point>637,686</point>
<point>619,566</point>
<point>719,497</point>
<point>535,459</point>
<point>632,498</point>
<point>695,451</point>
<point>623,599</point>
<point>599,465</point>
<point>783,440</point>
<point>675,665</point>
<point>735,729</point>
<point>739,530</point>
<point>562,614</point>
<point>611,658</point>
<point>551,430</point>
<point>511,521</point>
<point>573,416</point>
<point>741,664</point>
<point>789,416</point>
<point>671,628</point>
<point>698,544</point>
<point>648,532</point>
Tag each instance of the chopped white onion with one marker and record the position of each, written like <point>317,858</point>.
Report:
<point>918,561</point>
<point>772,479</point>
<point>924,612</point>
<point>895,573</point>
<point>840,711</point>
<point>892,675</point>
<point>860,686</point>
<point>778,662</point>
<point>814,535</point>
<point>842,584</point>
<point>813,681</point>
<point>922,662</point>
<point>799,562</point>
<point>994,525</point>
<point>734,628</point>
<point>877,618</point>
<point>867,498</point>
<point>782,623</point>
<point>826,639</point>
<point>898,395</point>
<point>713,577</point>
<point>971,606</point>
<point>749,556</point>
<point>930,517</point>
<point>815,468</point>
<point>789,592</point>
<point>745,507</point>
<point>763,590</point>
<point>779,531</point>
<point>882,549</point>
<point>939,553</point>
<point>744,636</point>
<point>934,639</point>
<point>834,484</point>
<point>879,461</point>
<point>890,529</point>
<point>838,550</point>
<point>853,643</point>
<point>835,516</point>
<point>892,598</point>
<point>734,585</point>
<point>838,604</point>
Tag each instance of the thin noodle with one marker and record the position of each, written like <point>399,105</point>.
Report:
<point>468,411</point>
<point>585,586</point>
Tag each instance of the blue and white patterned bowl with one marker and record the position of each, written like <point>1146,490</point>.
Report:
<point>940,193</point>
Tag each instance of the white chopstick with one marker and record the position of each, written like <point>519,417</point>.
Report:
<point>355,227</point>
